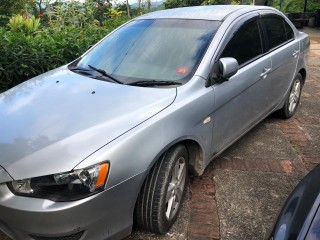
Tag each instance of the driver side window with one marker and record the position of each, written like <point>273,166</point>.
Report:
<point>246,43</point>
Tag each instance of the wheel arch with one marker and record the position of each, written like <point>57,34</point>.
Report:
<point>303,73</point>
<point>195,151</point>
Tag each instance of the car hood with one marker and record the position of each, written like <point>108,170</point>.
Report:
<point>52,122</point>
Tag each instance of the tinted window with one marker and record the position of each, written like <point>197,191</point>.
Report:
<point>289,31</point>
<point>245,44</point>
<point>276,31</point>
<point>156,49</point>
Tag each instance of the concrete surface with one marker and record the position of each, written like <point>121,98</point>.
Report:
<point>241,191</point>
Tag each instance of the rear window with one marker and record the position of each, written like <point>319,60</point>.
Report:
<point>289,31</point>
<point>278,30</point>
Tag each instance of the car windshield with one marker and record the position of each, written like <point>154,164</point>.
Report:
<point>155,49</point>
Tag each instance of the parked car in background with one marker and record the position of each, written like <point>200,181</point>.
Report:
<point>300,215</point>
<point>110,138</point>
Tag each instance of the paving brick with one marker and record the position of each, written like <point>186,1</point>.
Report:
<point>275,166</point>
<point>287,166</point>
<point>262,165</point>
<point>311,166</point>
<point>231,164</point>
<point>201,238</point>
<point>196,197</point>
<point>257,165</point>
<point>210,188</point>
<point>198,188</point>
<point>205,218</point>
<point>204,206</point>
<point>310,152</point>
<point>302,144</point>
<point>236,164</point>
<point>203,180</point>
<point>296,136</point>
<point>306,150</point>
<point>299,167</point>
<point>205,230</point>
<point>314,160</point>
<point>309,120</point>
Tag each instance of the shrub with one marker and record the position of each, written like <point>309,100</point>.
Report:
<point>24,55</point>
<point>29,25</point>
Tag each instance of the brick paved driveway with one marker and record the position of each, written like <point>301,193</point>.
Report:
<point>242,191</point>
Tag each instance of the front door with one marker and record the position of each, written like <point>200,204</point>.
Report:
<point>241,101</point>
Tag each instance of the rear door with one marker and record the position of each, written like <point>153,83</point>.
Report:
<point>283,49</point>
<point>241,101</point>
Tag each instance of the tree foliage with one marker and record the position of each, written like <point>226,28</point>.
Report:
<point>185,3</point>
<point>32,45</point>
<point>9,8</point>
<point>295,6</point>
<point>298,5</point>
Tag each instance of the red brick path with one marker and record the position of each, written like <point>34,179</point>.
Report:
<point>204,219</point>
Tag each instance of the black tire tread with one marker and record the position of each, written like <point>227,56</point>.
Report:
<point>148,208</point>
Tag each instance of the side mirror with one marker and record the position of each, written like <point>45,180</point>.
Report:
<point>227,67</point>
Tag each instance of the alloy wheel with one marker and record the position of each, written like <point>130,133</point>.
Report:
<point>176,188</point>
<point>294,96</point>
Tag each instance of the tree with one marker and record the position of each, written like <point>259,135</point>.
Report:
<point>182,3</point>
<point>149,5</point>
<point>128,8</point>
<point>39,6</point>
<point>291,6</point>
<point>9,8</point>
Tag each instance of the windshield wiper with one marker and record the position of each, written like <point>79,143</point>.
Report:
<point>104,73</point>
<point>154,83</point>
<point>81,69</point>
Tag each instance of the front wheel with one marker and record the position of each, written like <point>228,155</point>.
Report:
<point>160,199</point>
<point>293,99</point>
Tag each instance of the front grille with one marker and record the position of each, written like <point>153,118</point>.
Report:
<point>75,236</point>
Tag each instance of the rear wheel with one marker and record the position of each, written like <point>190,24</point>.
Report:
<point>293,99</point>
<point>160,199</point>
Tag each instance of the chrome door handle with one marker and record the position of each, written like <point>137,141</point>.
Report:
<point>295,53</point>
<point>265,72</point>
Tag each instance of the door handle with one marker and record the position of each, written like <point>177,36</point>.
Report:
<point>295,53</point>
<point>265,72</point>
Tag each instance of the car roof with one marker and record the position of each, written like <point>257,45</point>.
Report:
<point>214,12</point>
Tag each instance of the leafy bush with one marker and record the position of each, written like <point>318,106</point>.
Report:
<point>24,55</point>
<point>298,5</point>
<point>29,25</point>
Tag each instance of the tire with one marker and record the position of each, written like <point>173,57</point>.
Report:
<point>164,186</point>
<point>293,99</point>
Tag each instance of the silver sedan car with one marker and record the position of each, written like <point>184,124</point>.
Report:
<point>109,139</point>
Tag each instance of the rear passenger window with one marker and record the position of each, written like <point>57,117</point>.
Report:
<point>278,30</point>
<point>289,31</point>
<point>245,44</point>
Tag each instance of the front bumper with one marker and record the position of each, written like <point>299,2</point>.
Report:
<point>107,215</point>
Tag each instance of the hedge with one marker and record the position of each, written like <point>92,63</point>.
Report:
<point>24,56</point>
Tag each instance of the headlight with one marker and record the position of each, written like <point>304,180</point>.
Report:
<point>61,187</point>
